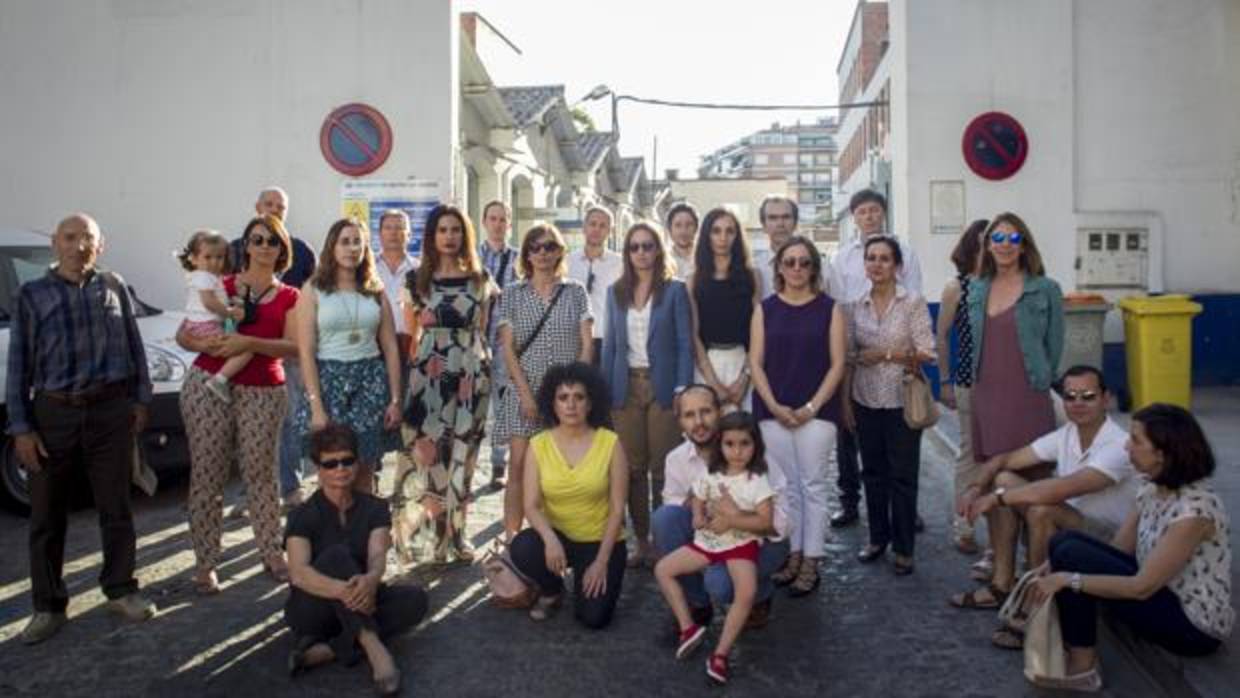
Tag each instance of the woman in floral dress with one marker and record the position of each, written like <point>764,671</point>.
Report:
<point>445,411</point>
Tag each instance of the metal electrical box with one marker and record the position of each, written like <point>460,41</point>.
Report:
<point>1112,258</point>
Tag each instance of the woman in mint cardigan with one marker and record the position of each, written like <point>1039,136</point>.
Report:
<point>1016,318</point>
<point>647,358</point>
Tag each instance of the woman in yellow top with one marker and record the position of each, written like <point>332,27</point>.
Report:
<point>576,486</point>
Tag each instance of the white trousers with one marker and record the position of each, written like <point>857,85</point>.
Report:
<point>728,365</point>
<point>805,453</point>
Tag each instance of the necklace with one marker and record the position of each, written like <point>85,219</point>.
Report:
<point>355,334</point>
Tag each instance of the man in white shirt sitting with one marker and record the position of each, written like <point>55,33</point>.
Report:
<point>697,409</point>
<point>1092,488</point>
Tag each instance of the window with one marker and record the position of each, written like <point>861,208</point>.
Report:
<point>790,158</point>
<point>806,160</point>
<point>760,158</point>
<point>805,178</point>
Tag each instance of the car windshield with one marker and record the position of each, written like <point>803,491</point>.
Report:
<point>19,264</point>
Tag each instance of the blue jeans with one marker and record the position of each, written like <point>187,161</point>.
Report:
<point>290,440</point>
<point>672,526</point>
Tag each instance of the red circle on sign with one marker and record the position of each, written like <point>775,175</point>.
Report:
<point>355,139</point>
<point>995,145</point>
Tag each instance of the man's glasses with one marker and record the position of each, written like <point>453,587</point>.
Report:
<point>346,462</point>
<point>261,240</point>
<point>1082,395</point>
<point>796,263</point>
<point>545,248</point>
<point>999,237</point>
<point>646,246</point>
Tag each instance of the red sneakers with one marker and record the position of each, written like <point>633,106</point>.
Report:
<point>690,638</point>
<point>717,668</point>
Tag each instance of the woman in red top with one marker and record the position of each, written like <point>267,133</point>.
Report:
<point>246,430</point>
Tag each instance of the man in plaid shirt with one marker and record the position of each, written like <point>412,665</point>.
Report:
<point>78,392</point>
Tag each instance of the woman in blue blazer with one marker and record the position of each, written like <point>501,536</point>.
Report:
<point>647,359</point>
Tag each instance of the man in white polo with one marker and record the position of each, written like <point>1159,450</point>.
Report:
<point>1093,486</point>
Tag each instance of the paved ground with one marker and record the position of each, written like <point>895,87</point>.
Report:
<point>865,632</point>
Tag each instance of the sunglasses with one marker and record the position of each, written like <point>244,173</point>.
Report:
<point>261,240</point>
<point>346,462</point>
<point>796,263</point>
<point>998,237</point>
<point>1082,395</point>
<point>647,246</point>
<point>545,248</point>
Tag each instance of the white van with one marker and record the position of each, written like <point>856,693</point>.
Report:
<point>26,255</point>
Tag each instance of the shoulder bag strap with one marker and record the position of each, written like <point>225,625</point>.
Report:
<point>541,321</point>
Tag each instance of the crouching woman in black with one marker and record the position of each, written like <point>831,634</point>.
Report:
<point>337,545</point>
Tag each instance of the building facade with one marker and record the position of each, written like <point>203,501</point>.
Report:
<point>864,77</point>
<point>802,154</point>
<point>1130,180</point>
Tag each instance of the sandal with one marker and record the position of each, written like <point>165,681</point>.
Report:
<point>970,599</point>
<point>807,578</point>
<point>967,544</point>
<point>789,571</point>
<point>1008,638</point>
<point>984,569</point>
<point>207,585</point>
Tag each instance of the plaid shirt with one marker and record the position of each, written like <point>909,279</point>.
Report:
<point>492,261</point>
<point>67,337</point>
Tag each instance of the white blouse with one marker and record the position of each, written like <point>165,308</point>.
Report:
<point>1204,585</point>
<point>638,325</point>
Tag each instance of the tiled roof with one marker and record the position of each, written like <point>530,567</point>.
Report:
<point>593,146</point>
<point>527,104</point>
<point>631,167</point>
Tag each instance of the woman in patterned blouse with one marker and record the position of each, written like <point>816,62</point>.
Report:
<point>889,334</point>
<point>1167,572</point>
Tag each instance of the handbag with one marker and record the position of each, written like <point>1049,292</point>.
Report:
<point>509,588</point>
<point>920,412</point>
<point>1045,658</point>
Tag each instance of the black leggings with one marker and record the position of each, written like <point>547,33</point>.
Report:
<point>527,552</point>
<point>1159,619</point>
<point>396,608</point>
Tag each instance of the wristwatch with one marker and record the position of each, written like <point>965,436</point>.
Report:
<point>999,492</point>
<point>1075,582</point>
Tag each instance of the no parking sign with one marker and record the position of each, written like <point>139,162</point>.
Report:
<point>995,145</point>
<point>355,139</point>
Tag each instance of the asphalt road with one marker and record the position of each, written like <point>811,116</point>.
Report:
<point>865,632</point>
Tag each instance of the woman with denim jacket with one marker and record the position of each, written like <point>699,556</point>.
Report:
<point>647,359</point>
<point>1016,318</point>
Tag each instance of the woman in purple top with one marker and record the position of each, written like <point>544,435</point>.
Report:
<point>796,356</point>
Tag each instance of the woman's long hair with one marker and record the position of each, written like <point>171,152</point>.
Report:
<point>740,265</point>
<point>365,276</point>
<point>662,272</point>
<point>467,259</point>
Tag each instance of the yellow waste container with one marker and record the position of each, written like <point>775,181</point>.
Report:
<point>1158,333</point>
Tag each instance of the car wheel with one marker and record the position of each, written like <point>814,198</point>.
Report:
<point>14,484</point>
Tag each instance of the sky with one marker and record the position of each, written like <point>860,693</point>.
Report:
<point>769,52</point>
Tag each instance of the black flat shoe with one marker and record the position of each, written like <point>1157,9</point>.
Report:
<point>901,567</point>
<point>844,517</point>
<point>297,655</point>
<point>870,553</point>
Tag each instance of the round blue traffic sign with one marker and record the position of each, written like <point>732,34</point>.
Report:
<point>355,139</point>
